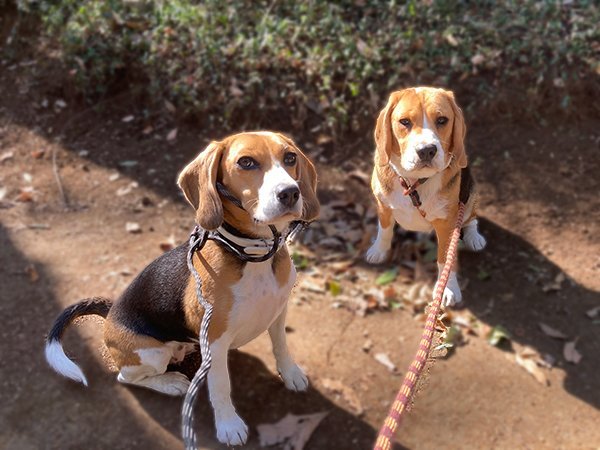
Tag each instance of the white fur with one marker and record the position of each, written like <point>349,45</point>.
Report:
<point>275,180</point>
<point>259,304</point>
<point>61,363</point>
<point>452,294</point>
<point>293,376</point>
<point>378,252</point>
<point>152,372</point>
<point>471,237</point>
<point>409,218</point>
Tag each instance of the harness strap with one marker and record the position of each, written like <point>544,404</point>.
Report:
<point>466,186</point>
<point>221,189</point>
<point>411,191</point>
<point>254,253</point>
<point>198,239</point>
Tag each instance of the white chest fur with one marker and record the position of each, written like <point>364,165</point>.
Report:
<point>258,299</point>
<point>407,216</point>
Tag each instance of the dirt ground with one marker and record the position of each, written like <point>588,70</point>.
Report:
<point>540,214</point>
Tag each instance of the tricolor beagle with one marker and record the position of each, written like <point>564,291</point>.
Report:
<point>420,169</point>
<point>267,181</point>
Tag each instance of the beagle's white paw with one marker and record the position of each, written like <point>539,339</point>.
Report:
<point>175,383</point>
<point>294,378</point>
<point>471,237</point>
<point>377,253</point>
<point>452,294</point>
<point>232,431</point>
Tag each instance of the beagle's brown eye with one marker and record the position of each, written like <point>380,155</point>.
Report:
<point>247,163</point>
<point>440,121</point>
<point>289,159</point>
<point>405,122</point>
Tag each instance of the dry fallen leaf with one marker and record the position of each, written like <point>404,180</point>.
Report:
<point>348,394</point>
<point>593,313</point>
<point>170,107</point>
<point>554,285</point>
<point>26,195</point>
<point>292,431</point>
<point>526,358</point>
<point>133,227</point>
<point>570,352</point>
<point>32,273</point>
<point>384,359</point>
<point>552,332</point>
<point>38,154</point>
<point>168,244</point>
<point>361,176</point>
<point>172,135</point>
<point>6,156</point>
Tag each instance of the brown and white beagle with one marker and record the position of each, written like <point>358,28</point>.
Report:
<point>156,320</point>
<point>420,149</point>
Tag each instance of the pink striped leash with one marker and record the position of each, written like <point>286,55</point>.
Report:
<point>398,408</point>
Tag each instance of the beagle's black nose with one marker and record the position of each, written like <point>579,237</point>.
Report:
<point>427,153</point>
<point>289,196</point>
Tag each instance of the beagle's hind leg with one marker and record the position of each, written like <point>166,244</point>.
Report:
<point>472,239</point>
<point>152,374</point>
<point>143,361</point>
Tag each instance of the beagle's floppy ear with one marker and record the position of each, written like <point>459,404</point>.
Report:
<point>385,140</point>
<point>459,130</point>
<point>198,181</point>
<point>307,182</point>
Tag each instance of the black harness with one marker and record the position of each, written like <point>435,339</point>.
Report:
<point>201,236</point>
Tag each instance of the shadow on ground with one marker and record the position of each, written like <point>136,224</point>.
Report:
<point>514,298</point>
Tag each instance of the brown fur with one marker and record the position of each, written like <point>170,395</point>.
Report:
<point>123,343</point>
<point>282,265</point>
<point>219,270</point>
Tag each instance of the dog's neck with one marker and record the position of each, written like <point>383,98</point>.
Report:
<point>244,224</point>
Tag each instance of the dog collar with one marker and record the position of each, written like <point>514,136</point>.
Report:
<point>246,248</point>
<point>411,189</point>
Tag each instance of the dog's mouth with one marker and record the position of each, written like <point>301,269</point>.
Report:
<point>283,217</point>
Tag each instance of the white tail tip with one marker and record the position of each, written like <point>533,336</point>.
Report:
<point>57,359</point>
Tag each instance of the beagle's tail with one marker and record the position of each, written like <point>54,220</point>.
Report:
<point>55,354</point>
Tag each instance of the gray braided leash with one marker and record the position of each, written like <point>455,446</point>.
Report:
<point>197,240</point>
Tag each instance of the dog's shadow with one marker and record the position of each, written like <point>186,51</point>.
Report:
<point>511,284</point>
<point>260,397</point>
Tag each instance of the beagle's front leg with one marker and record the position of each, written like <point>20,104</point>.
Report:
<point>231,429</point>
<point>293,376</point>
<point>443,230</point>
<point>378,252</point>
